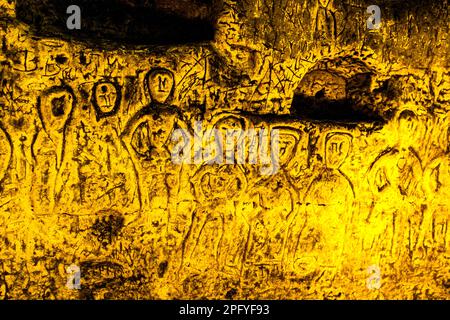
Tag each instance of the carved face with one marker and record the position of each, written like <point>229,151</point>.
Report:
<point>160,83</point>
<point>212,185</point>
<point>409,128</point>
<point>106,97</point>
<point>288,141</point>
<point>337,147</point>
<point>55,107</point>
<point>233,128</point>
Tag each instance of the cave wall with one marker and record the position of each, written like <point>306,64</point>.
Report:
<point>87,177</point>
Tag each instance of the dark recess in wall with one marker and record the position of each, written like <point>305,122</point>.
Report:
<point>345,110</point>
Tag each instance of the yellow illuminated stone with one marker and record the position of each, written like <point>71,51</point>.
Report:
<point>357,207</point>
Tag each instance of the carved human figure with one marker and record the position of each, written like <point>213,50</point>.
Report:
<point>434,228</point>
<point>212,233</point>
<point>277,205</point>
<point>50,147</point>
<point>55,108</point>
<point>219,186</point>
<point>232,129</point>
<point>396,173</point>
<point>100,172</point>
<point>146,136</point>
<point>328,203</point>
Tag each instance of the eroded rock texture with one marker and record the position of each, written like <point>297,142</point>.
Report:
<point>358,207</point>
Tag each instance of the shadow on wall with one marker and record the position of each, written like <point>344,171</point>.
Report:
<point>124,22</point>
